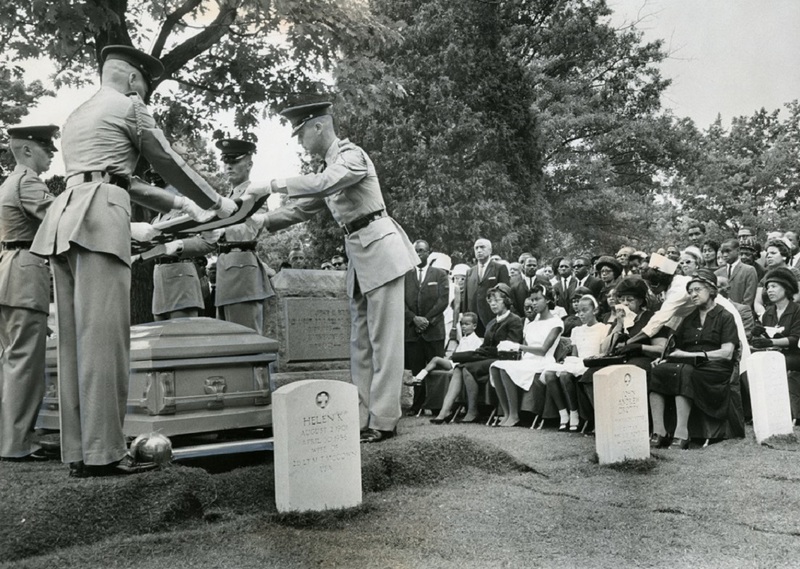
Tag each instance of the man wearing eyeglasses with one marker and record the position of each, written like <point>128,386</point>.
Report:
<point>339,263</point>
<point>581,267</point>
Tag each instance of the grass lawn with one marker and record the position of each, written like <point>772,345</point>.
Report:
<point>449,496</point>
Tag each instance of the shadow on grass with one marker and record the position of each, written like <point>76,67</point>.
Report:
<point>43,511</point>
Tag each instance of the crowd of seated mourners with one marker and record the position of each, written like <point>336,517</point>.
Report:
<point>688,318</point>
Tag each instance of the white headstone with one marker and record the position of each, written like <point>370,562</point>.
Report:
<point>620,412</point>
<point>317,450</point>
<point>769,395</point>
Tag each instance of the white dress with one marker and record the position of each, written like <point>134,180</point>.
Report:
<point>587,339</point>
<point>523,371</point>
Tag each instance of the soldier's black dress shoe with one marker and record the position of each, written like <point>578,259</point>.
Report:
<point>36,456</point>
<point>120,468</point>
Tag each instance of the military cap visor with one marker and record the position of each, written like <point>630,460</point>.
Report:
<point>42,135</point>
<point>233,149</point>
<point>150,67</point>
<point>301,114</point>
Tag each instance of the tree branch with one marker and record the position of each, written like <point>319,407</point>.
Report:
<point>194,46</point>
<point>170,22</point>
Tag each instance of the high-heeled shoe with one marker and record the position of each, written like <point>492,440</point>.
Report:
<point>438,421</point>
<point>563,427</point>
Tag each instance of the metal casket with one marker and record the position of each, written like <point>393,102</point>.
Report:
<point>188,375</point>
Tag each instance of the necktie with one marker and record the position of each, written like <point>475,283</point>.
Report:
<point>729,272</point>
<point>419,276</point>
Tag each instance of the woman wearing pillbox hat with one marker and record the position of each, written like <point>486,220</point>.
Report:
<point>609,270</point>
<point>702,387</point>
<point>780,327</point>
<point>778,255</point>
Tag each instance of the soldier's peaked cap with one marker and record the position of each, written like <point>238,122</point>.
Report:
<point>42,134</point>
<point>234,149</point>
<point>150,67</point>
<point>301,114</point>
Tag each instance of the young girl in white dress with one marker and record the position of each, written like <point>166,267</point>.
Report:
<point>541,340</point>
<point>560,379</point>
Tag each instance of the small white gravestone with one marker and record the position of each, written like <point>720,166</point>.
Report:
<point>620,411</point>
<point>769,395</point>
<point>316,446</point>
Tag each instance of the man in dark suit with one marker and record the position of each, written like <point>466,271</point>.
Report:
<point>582,267</point>
<point>742,279</point>
<point>427,292</point>
<point>565,286</point>
<point>521,286</point>
<point>485,275</point>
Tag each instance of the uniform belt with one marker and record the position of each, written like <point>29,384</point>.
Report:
<point>123,182</point>
<point>362,222</point>
<point>236,246</point>
<point>13,245</point>
<point>171,260</point>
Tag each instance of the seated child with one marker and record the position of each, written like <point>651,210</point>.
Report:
<point>561,378</point>
<point>469,343</point>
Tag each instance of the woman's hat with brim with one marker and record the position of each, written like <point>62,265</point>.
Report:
<point>705,276</point>
<point>611,263</point>
<point>632,286</point>
<point>785,278</point>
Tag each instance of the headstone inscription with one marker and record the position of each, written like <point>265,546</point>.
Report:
<point>309,316</point>
<point>316,446</point>
<point>769,395</point>
<point>620,409</point>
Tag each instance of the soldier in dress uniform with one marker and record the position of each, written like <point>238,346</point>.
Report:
<point>24,292</point>
<point>242,279</point>
<point>87,234</point>
<point>177,287</point>
<point>379,253</point>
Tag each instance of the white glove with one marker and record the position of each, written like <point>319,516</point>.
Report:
<point>135,258</point>
<point>173,248</point>
<point>193,210</point>
<point>226,208</point>
<point>212,235</point>
<point>258,221</point>
<point>258,189</point>
<point>143,232</point>
<point>507,346</point>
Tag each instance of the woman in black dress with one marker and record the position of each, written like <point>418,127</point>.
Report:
<point>472,368</point>
<point>782,320</point>
<point>708,333</point>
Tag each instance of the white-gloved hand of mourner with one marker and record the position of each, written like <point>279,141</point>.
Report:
<point>173,248</point>
<point>143,232</point>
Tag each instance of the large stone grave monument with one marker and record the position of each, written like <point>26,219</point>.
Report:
<point>769,395</point>
<point>316,446</point>
<point>309,316</point>
<point>620,410</point>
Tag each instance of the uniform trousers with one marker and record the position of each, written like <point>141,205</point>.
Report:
<point>23,335</point>
<point>376,352</point>
<point>250,314</point>
<point>93,307</point>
